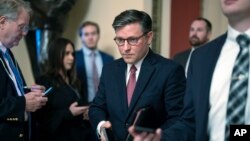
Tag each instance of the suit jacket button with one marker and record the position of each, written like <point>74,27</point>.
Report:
<point>20,135</point>
<point>127,125</point>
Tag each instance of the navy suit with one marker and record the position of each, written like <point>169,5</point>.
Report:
<point>182,57</point>
<point>194,120</point>
<point>160,84</point>
<point>12,107</point>
<point>81,69</point>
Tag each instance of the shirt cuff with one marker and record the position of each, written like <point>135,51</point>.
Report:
<point>99,127</point>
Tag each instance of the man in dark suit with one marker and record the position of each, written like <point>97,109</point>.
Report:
<point>199,34</point>
<point>211,80</point>
<point>90,33</point>
<point>140,78</point>
<point>15,105</point>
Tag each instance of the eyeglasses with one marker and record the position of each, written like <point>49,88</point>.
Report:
<point>21,27</point>
<point>131,41</point>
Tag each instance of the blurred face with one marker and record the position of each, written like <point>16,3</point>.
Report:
<point>12,31</point>
<point>132,34</point>
<point>68,59</point>
<point>235,8</point>
<point>90,36</point>
<point>198,33</point>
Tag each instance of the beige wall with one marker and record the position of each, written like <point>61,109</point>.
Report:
<point>104,11</point>
<point>21,55</point>
<point>165,32</point>
<point>212,11</point>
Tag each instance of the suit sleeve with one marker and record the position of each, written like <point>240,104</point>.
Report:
<point>174,93</point>
<point>184,128</point>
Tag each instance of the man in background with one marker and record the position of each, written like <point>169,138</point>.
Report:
<point>15,104</point>
<point>90,60</point>
<point>199,34</point>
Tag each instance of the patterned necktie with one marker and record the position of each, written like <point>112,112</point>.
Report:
<point>15,71</point>
<point>94,72</point>
<point>131,83</point>
<point>238,87</point>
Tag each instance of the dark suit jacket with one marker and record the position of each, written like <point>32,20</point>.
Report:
<point>81,69</point>
<point>182,57</point>
<point>195,114</point>
<point>12,107</point>
<point>55,122</point>
<point>161,84</point>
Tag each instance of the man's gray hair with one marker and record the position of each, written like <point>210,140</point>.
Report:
<point>11,8</point>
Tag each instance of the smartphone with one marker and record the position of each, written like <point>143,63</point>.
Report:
<point>48,91</point>
<point>108,134</point>
<point>139,129</point>
<point>82,103</point>
<point>145,121</point>
<point>26,89</point>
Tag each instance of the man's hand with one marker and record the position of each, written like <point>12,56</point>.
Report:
<point>107,124</point>
<point>144,136</point>
<point>86,113</point>
<point>34,99</point>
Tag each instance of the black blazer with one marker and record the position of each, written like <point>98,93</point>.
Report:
<point>194,122</point>
<point>182,57</point>
<point>161,84</point>
<point>12,106</point>
<point>81,69</point>
<point>55,121</point>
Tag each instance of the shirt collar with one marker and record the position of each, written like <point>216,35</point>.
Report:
<point>3,48</point>
<point>232,33</point>
<point>137,64</point>
<point>88,51</point>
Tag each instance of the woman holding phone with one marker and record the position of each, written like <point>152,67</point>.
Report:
<point>62,119</point>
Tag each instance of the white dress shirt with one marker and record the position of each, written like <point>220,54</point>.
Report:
<point>220,86</point>
<point>188,60</point>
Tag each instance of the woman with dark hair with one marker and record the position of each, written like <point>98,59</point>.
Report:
<point>62,119</point>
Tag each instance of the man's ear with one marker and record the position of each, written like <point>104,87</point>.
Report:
<point>3,20</point>
<point>150,37</point>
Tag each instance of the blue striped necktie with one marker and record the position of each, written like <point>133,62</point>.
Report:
<point>239,86</point>
<point>15,71</point>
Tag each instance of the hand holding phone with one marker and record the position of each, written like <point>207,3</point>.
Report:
<point>33,88</point>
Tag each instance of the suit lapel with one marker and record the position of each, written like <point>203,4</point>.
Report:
<point>4,63</point>
<point>212,56</point>
<point>81,65</point>
<point>120,73</point>
<point>211,61</point>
